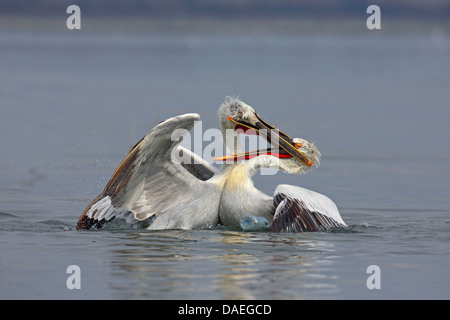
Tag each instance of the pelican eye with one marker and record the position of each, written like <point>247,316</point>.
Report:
<point>298,145</point>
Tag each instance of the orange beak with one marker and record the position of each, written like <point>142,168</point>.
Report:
<point>286,148</point>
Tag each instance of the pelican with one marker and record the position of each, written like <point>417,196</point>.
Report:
<point>149,186</point>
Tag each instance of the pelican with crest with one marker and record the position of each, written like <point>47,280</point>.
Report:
<point>148,185</point>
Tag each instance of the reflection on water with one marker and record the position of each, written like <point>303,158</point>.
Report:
<point>219,264</point>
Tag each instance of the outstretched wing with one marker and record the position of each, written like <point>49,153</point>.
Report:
<point>299,209</point>
<point>150,182</point>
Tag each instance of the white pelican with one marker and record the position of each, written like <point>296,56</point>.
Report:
<point>148,185</point>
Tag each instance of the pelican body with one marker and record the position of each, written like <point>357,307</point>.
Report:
<point>148,185</point>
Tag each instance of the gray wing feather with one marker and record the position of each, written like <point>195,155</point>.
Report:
<point>149,182</point>
<point>197,166</point>
<point>299,209</point>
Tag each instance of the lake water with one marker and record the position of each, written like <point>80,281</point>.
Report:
<point>376,104</point>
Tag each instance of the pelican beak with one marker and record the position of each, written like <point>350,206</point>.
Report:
<point>281,141</point>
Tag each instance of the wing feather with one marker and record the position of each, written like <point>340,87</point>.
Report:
<point>149,183</point>
<point>195,164</point>
<point>299,210</point>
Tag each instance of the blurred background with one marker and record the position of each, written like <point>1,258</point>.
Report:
<point>230,8</point>
<point>291,16</point>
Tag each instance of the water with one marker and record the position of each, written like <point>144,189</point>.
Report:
<point>376,105</point>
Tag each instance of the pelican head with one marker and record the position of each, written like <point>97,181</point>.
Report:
<point>294,166</point>
<point>238,117</point>
<point>235,109</point>
<point>280,159</point>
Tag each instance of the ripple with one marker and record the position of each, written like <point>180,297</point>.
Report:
<point>5,215</point>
